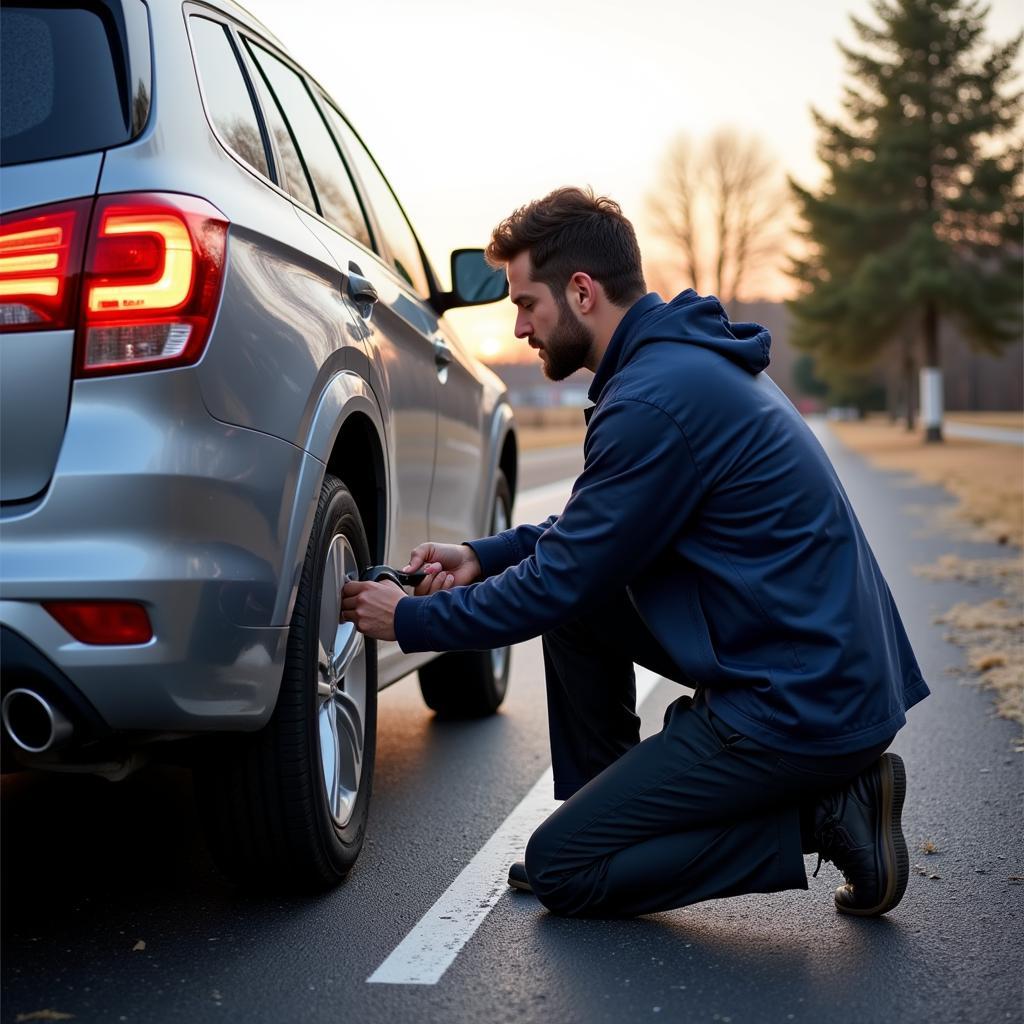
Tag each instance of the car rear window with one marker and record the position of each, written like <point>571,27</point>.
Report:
<point>227,96</point>
<point>65,82</point>
<point>339,203</point>
<point>291,174</point>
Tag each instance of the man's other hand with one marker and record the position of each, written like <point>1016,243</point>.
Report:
<point>371,606</point>
<point>440,562</point>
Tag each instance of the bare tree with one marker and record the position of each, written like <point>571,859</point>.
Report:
<point>721,203</point>
<point>674,206</point>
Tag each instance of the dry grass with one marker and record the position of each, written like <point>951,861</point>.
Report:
<point>549,416</point>
<point>988,482</point>
<point>539,427</point>
<point>987,479</point>
<point>549,437</point>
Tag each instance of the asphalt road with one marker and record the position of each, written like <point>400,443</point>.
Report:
<point>91,870</point>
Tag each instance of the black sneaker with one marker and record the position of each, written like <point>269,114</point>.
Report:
<point>858,829</point>
<point>517,877</point>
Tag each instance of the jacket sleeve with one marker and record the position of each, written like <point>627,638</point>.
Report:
<point>639,486</point>
<point>507,548</point>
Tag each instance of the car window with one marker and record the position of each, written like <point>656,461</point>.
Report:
<point>291,174</point>
<point>64,82</point>
<point>405,253</point>
<point>339,203</point>
<point>227,96</point>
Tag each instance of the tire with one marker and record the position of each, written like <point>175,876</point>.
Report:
<point>472,684</point>
<point>286,808</point>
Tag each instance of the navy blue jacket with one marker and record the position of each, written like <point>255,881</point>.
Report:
<point>708,498</point>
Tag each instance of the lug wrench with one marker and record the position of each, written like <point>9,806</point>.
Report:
<point>380,573</point>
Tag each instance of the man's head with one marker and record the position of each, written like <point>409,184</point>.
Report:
<point>573,268</point>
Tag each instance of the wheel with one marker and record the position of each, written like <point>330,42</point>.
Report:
<point>472,684</point>
<point>287,807</point>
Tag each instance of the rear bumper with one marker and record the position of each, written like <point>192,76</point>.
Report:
<point>152,500</point>
<point>192,677</point>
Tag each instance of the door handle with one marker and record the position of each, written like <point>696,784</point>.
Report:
<point>442,353</point>
<point>361,291</point>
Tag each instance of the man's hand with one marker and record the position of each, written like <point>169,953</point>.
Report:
<point>457,562</point>
<point>371,606</point>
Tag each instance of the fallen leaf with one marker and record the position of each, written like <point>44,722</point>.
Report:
<point>934,876</point>
<point>139,946</point>
<point>44,1015</point>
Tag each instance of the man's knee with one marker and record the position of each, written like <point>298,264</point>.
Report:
<point>560,885</point>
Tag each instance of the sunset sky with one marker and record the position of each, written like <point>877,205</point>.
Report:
<point>473,108</point>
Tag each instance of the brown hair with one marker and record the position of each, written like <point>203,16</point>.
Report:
<point>571,230</point>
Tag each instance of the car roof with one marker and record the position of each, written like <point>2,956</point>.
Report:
<point>243,17</point>
<point>239,13</point>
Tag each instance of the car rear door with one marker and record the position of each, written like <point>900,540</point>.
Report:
<point>75,81</point>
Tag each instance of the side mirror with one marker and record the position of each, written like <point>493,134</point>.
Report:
<point>474,283</point>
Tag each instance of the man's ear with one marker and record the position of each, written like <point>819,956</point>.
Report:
<point>582,292</point>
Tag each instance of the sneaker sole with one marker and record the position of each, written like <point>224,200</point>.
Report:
<point>895,855</point>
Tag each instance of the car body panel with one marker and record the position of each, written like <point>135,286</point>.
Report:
<point>49,181</point>
<point>35,380</point>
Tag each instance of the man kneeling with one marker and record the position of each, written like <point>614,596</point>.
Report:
<point>708,539</point>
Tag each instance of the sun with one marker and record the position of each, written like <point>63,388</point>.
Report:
<point>489,348</point>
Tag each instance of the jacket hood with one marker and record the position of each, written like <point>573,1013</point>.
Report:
<point>691,319</point>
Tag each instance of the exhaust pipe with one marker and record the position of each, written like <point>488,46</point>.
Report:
<point>34,723</point>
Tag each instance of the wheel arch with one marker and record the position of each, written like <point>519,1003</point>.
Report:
<point>357,459</point>
<point>508,462</point>
<point>504,456</point>
<point>347,420</point>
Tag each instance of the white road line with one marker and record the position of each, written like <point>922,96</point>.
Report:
<point>422,957</point>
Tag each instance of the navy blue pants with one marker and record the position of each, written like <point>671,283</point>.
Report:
<point>696,812</point>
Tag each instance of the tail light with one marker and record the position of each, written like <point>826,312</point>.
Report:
<point>40,263</point>
<point>153,269</point>
<point>152,279</point>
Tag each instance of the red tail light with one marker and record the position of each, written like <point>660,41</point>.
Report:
<point>103,622</point>
<point>153,269</point>
<point>40,263</point>
<point>152,280</point>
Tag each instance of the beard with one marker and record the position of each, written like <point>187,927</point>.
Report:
<point>568,346</point>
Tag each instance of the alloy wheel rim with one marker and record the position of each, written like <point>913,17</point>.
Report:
<point>341,688</point>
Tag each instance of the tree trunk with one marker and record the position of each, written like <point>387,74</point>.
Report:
<point>908,384</point>
<point>931,377</point>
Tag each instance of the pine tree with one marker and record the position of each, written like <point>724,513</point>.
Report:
<point>920,215</point>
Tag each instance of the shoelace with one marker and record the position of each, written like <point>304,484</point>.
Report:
<point>829,835</point>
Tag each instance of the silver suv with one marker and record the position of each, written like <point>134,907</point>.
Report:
<point>227,386</point>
